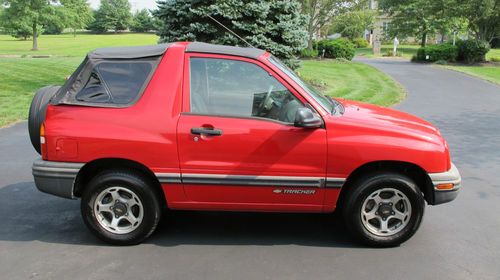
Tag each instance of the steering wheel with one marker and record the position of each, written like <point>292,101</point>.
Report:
<point>267,102</point>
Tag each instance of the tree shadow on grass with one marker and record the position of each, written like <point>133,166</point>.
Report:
<point>29,215</point>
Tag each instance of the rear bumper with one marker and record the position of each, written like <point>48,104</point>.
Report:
<point>56,178</point>
<point>451,176</point>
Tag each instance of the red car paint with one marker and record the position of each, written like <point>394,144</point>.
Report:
<point>155,132</point>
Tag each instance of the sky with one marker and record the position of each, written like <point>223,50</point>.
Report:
<point>136,4</point>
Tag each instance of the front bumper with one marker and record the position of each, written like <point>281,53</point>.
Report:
<point>451,176</point>
<point>57,178</point>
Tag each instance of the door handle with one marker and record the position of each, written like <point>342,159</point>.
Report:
<point>206,131</point>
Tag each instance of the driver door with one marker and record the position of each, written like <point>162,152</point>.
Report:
<point>236,151</point>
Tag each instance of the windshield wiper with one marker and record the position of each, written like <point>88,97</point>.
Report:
<point>333,102</point>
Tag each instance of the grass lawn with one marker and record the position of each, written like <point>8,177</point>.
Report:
<point>489,73</point>
<point>406,51</point>
<point>67,45</point>
<point>352,80</point>
<point>21,77</point>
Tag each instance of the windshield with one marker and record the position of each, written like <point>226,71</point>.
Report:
<point>325,102</point>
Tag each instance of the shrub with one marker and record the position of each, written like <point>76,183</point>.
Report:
<point>443,52</point>
<point>391,53</point>
<point>338,48</point>
<point>307,53</point>
<point>471,51</point>
<point>420,55</point>
<point>495,59</point>
<point>360,43</point>
<point>442,62</point>
<point>446,52</point>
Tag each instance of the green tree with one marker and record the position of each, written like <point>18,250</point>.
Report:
<point>1,17</point>
<point>98,25</point>
<point>483,17</point>
<point>77,14</point>
<point>56,23</point>
<point>417,18</point>
<point>112,14</point>
<point>16,28</point>
<point>277,26</point>
<point>142,21</point>
<point>21,14</point>
<point>321,13</point>
<point>353,24</point>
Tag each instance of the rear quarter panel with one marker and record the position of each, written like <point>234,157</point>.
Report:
<point>144,132</point>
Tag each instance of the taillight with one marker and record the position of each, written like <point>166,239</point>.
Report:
<point>43,142</point>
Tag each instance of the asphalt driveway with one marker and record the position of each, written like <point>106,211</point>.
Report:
<point>44,237</point>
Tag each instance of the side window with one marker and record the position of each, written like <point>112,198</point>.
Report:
<point>94,90</point>
<point>124,80</point>
<point>237,88</point>
<point>115,82</point>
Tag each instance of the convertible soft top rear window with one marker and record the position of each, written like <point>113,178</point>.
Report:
<point>114,77</point>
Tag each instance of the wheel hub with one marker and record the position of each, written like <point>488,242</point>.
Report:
<point>119,209</point>
<point>385,210</point>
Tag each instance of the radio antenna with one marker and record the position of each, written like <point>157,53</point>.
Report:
<point>232,32</point>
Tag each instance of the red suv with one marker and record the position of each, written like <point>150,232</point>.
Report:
<point>195,126</point>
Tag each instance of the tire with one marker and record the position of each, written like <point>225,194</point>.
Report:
<point>128,184</point>
<point>384,198</point>
<point>37,112</point>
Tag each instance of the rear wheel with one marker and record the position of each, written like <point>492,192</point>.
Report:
<point>121,207</point>
<point>384,209</point>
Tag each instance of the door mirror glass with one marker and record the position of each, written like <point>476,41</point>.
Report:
<point>306,118</point>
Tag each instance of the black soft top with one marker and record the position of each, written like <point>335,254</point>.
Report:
<point>220,49</point>
<point>109,74</point>
<point>159,50</point>
<point>128,52</point>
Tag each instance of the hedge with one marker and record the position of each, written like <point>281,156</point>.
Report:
<point>360,42</point>
<point>443,52</point>
<point>307,53</point>
<point>338,48</point>
<point>471,51</point>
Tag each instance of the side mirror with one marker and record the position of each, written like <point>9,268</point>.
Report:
<point>306,118</point>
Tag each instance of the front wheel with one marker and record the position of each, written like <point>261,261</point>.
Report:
<point>120,207</point>
<point>384,209</point>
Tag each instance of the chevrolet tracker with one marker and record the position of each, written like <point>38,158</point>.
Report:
<point>195,126</point>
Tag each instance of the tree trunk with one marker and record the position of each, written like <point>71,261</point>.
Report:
<point>310,34</point>
<point>74,32</point>
<point>310,25</point>
<point>424,39</point>
<point>35,38</point>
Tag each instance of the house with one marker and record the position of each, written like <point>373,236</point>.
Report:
<point>379,27</point>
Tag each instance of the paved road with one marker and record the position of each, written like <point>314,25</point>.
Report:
<point>44,237</point>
